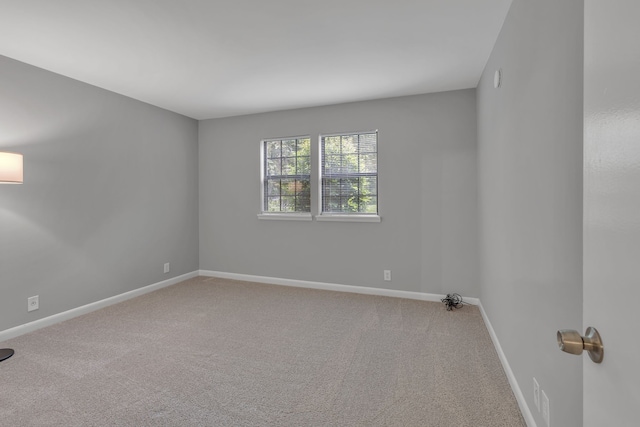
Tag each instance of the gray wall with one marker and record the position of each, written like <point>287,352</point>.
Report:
<point>428,198</point>
<point>110,193</point>
<point>530,193</point>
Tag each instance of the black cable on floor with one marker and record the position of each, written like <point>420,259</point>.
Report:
<point>452,301</point>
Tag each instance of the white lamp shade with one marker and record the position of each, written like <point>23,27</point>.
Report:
<point>10,168</point>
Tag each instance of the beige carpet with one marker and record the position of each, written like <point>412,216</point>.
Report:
<point>214,352</point>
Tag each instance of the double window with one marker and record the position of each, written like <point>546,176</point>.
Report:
<point>347,171</point>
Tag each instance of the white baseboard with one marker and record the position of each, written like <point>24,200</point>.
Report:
<point>522,403</point>
<point>75,312</point>
<point>331,286</point>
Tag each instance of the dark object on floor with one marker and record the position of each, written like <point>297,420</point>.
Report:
<point>5,353</point>
<point>452,301</point>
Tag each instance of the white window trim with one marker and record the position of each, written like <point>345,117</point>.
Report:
<point>342,217</point>
<point>293,216</point>
<point>349,217</point>
<point>284,216</point>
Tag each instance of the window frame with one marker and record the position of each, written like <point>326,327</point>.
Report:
<point>267,215</point>
<point>345,216</point>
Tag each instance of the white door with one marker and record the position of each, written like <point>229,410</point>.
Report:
<point>612,210</point>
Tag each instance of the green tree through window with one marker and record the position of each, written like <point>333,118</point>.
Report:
<point>287,169</point>
<point>350,173</point>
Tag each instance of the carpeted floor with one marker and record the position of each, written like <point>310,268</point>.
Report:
<point>216,352</point>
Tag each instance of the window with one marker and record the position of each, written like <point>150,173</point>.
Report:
<point>349,173</point>
<point>286,175</point>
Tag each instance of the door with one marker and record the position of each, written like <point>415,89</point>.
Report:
<point>612,210</point>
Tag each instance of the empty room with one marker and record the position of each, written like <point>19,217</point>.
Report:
<point>329,213</point>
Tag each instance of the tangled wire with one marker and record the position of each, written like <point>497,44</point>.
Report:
<point>452,301</point>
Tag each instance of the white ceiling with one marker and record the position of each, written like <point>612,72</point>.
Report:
<point>217,58</point>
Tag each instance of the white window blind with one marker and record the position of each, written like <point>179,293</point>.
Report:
<point>286,175</point>
<point>349,173</point>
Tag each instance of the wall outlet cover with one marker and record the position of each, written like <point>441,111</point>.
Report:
<point>536,394</point>
<point>33,303</point>
<point>545,409</point>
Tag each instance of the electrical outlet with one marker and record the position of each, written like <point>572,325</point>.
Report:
<point>166,267</point>
<point>536,393</point>
<point>545,409</point>
<point>33,303</point>
<point>387,275</point>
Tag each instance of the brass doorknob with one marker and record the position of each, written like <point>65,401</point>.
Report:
<point>572,342</point>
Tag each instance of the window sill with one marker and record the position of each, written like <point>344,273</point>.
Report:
<point>286,216</point>
<point>349,218</point>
